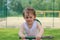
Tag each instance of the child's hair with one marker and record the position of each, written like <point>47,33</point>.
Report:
<point>29,10</point>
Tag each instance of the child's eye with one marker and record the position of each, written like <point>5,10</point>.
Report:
<point>26,17</point>
<point>30,17</point>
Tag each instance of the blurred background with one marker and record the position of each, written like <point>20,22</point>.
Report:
<point>47,11</point>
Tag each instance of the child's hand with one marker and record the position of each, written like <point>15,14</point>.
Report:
<point>23,36</point>
<point>38,37</point>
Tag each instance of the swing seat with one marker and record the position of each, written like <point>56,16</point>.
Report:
<point>43,37</point>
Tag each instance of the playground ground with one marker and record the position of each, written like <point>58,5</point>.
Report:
<point>9,27</point>
<point>14,22</point>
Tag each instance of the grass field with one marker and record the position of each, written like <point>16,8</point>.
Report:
<point>12,34</point>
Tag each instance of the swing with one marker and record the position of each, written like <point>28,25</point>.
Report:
<point>43,37</point>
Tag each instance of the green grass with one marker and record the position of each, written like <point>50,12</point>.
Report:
<point>9,34</point>
<point>12,34</point>
<point>53,32</point>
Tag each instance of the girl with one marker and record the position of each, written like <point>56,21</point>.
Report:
<point>30,27</point>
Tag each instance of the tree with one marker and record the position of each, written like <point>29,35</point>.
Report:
<point>15,6</point>
<point>3,8</point>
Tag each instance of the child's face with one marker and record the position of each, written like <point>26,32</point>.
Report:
<point>29,17</point>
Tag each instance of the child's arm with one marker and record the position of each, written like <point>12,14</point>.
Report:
<point>41,30</point>
<point>21,31</point>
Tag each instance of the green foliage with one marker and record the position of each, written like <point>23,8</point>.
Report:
<point>3,8</point>
<point>51,14</point>
<point>15,7</point>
